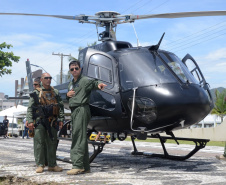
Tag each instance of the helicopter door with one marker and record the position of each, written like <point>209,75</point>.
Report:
<point>194,69</point>
<point>101,66</point>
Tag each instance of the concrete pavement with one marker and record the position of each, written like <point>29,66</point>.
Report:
<point>115,165</point>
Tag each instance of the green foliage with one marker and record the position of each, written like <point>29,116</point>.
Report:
<point>88,45</point>
<point>92,44</point>
<point>71,58</point>
<point>220,104</point>
<point>6,59</point>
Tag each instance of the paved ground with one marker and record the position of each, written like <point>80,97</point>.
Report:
<point>115,165</point>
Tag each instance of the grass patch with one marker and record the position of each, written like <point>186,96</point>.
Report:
<point>210,143</point>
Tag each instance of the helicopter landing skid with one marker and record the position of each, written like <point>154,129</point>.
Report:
<point>97,148</point>
<point>199,144</point>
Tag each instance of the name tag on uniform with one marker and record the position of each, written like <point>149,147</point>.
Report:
<point>76,85</point>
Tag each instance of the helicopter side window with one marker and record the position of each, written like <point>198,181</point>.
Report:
<point>81,58</point>
<point>100,67</point>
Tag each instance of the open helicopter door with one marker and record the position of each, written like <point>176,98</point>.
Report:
<point>107,103</point>
<point>194,69</point>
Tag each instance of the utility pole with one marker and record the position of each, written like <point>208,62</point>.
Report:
<point>61,69</point>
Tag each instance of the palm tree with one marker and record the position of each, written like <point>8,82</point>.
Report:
<point>71,58</point>
<point>220,104</point>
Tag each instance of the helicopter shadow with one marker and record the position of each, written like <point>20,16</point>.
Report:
<point>124,162</point>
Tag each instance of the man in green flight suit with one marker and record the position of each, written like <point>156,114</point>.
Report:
<point>44,111</point>
<point>79,91</point>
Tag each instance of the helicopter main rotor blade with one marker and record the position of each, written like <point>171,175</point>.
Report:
<point>76,17</point>
<point>116,18</point>
<point>179,15</point>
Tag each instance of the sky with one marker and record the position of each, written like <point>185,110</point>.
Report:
<point>36,38</point>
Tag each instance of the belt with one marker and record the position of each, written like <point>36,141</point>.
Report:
<point>73,108</point>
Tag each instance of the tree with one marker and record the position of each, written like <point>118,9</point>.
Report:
<point>71,58</point>
<point>6,59</point>
<point>88,45</point>
<point>220,104</point>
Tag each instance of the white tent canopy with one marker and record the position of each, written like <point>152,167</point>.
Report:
<point>20,112</point>
<point>14,112</point>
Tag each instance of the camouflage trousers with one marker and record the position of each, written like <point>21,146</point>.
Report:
<point>44,147</point>
<point>80,118</point>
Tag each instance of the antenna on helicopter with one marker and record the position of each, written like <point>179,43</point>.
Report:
<point>156,47</point>
<point>138,43</point>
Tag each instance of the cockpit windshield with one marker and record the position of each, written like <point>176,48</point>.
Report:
<point>142,68</point>
<point>178,67</point>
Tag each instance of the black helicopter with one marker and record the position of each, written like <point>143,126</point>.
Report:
<point>149,90</point>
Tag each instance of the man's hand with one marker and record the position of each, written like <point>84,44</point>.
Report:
<point>101,86</point>
<point>71,93</point>
<point>61,125</point>
<point>31,126</point>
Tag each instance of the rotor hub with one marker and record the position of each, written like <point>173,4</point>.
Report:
<point>107,14</point>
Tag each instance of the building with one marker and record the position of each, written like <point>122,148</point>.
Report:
<point>22,88</point>
<point>211,120</point>
<point>4,102</point>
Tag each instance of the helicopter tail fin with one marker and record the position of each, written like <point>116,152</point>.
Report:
<point>156,47</point>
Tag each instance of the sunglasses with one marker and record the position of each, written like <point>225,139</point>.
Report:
<point>76,68</point>
<point>46,78</point>
<point>35,84</point>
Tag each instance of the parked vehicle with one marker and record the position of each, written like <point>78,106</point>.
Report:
<point>13,130</point>
<point>101,138</point>
<point>2,127</point>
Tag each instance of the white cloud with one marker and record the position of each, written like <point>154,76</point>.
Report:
<point>18,40</point>
<point>217,55</point>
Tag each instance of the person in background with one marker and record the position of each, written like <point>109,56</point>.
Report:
<point>6,125</point>
<point>36,83</point>
<point>25,133</point>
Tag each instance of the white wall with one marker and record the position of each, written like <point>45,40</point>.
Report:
<point>217,133</point>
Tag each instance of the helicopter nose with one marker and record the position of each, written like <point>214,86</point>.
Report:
<point>169,104</point>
